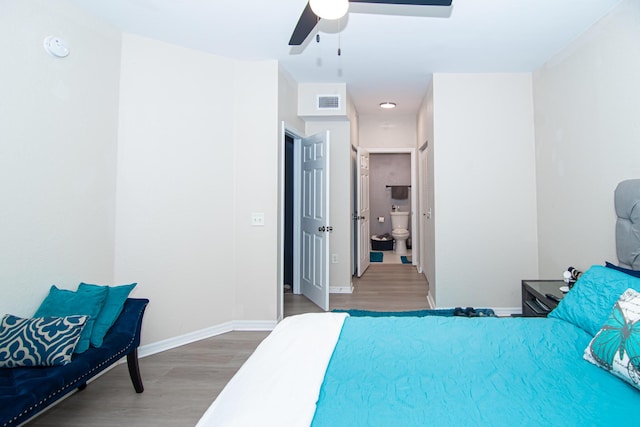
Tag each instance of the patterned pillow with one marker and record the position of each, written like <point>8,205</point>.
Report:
<point>39,341</point>
<point>616,347</point>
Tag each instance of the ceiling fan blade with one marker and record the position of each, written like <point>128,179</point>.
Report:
<point>415,2</point>
<point>307,22</point>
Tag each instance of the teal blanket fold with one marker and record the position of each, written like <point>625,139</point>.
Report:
<point>444,371</point>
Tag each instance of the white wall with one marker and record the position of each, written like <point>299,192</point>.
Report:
<point>587,140</point>
<point>256,165</point>
<point>58,134</point>
<point>197,155</point>
<point>387,131</point>
<point>484,188</point>
<point>288,102</point>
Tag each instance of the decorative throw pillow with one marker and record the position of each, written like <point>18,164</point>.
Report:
<point>634,273</point>
<point>61,302</point>
<point>116,296</point>
<point>588,304</point>
<point>40,341</point>
<point>616,347</point>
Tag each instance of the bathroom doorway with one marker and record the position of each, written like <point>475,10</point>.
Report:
<point>392,185</point>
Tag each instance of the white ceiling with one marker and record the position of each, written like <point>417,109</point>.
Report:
<point>384,57</point>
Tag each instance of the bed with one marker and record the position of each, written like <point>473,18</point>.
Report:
<point>578,367</point>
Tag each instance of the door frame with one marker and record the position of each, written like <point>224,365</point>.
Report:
<point>291,131</point>
<point>424,210</point>
<point>415,251</point>
<point>287,130</point>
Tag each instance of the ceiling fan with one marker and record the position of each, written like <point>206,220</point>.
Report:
<point>309,19</point>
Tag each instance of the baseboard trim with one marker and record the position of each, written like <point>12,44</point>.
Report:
<point>341,289</point>
<point>254,325</point>
<point>431,301</point>
<point>507,311</point>
<point>237,325</point>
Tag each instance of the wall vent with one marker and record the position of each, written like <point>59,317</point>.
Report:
<point>328,102</point>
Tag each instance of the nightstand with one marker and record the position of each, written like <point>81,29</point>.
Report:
<point>535,302</point>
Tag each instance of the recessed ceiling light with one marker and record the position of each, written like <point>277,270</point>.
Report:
<point>388,105</point>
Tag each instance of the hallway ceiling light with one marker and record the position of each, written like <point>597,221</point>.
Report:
<point>329,9</point>
<point>387,105</point>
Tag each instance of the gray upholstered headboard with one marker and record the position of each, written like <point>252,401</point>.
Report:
<point>627,202</point>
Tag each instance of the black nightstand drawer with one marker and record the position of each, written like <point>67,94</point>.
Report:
<point>535,300</point>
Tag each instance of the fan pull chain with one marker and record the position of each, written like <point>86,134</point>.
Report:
<point>339,27</point>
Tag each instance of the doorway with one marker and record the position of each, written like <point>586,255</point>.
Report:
<point>287,250</point>
<point>394,167</point>
<point>304,218</point>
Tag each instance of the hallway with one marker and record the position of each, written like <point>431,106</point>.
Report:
<point>383,287</point>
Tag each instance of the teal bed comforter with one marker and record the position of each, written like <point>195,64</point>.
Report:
<point>445,371</point>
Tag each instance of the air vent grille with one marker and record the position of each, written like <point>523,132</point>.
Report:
<point>328,102</point>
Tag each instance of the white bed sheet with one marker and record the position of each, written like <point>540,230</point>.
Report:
<point>280,383</point>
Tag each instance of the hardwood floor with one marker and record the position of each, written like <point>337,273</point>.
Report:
<point>386,287</point>
<point>383,287</point>
<point>181,383</point>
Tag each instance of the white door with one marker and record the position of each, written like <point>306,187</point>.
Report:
<point>363,214</point>
<point>314,223</point>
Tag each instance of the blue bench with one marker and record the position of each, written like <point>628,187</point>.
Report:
<point>25,391</point>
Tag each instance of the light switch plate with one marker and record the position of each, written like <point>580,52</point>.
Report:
<point>257,219</point>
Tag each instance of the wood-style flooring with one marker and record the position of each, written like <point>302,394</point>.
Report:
<point>383,287</point>
<point>181,383</point>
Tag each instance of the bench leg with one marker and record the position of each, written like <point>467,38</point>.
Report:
<point>134,371</point>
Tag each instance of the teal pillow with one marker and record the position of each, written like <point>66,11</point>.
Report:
<point>616,348</point>
<point>61,302</point>
<point>41,341</point>
<point>116,296</point>
<point>588,304</point>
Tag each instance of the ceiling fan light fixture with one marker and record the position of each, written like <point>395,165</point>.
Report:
<point>387,105</point>
<point>329,9</point>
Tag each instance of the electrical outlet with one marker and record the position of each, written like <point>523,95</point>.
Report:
<point>334,258</point>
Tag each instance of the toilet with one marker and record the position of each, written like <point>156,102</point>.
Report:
<point>400,230</point>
